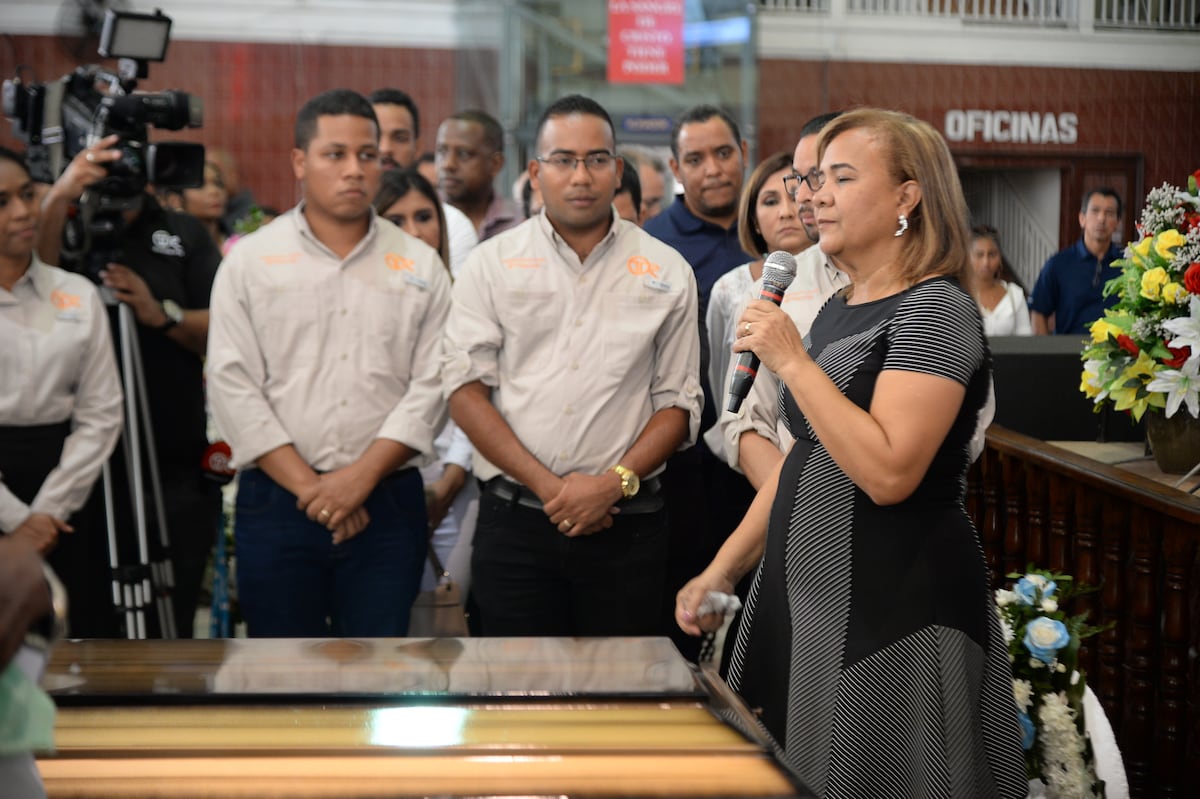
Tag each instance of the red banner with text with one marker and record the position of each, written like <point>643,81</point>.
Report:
<point>645,41</point>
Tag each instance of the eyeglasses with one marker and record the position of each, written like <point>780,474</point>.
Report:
<point>791,183</point>
<point>595,162</point>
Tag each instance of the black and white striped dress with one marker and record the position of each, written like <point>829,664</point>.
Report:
<point>869,641</point>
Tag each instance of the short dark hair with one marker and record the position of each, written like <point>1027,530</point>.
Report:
<point>335,102</point>
<point>15,157</point>
<point>1103,191</point>
<point>573,104</point>
<point>630,182</point>
<point>702,113</point>
<point>493,134</point>
<point>815,125</point>
<point>425,158</point>
<point>400,98</point>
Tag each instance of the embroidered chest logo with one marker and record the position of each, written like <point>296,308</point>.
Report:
<point>397,263</point>
<point>63,301</point>
<point>278,260</point>
<point>639,265</point>
<point>524,263</point>
<point>164,243</point>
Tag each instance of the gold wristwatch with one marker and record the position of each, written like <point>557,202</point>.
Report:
<point>630,483</point>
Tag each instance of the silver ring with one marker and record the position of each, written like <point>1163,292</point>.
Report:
<point>90,156</point>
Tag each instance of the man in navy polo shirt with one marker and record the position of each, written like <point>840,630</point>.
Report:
<point>709,161</point>
<point>1069,294</point>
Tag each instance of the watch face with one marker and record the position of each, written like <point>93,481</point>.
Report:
<point>173,311</point>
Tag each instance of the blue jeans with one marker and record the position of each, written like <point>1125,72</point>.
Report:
<point>293,582</point>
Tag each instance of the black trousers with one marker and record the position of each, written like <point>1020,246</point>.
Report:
<point>27,455</point>
<point>529,579</point>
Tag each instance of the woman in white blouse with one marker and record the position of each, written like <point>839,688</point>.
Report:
<point>60,404</point>
<point>997,292</point>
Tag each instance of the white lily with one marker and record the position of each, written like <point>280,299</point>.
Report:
<point>1180,386</point>
<point>1186,328</point>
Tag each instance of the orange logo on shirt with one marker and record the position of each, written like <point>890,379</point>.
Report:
<point>524,263</point>
<point>63,301</point>
<point>398,264</point>
<point>278,260</point>
<point>639,265</point>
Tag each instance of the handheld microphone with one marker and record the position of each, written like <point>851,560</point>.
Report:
<point>778,273</point>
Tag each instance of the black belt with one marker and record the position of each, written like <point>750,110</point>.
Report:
<point>648,499</point>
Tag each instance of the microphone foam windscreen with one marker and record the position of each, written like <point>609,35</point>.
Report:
<point>779,269</point>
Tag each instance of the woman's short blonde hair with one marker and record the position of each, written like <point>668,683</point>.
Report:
<point>937,241</point>
<point>749,236</point>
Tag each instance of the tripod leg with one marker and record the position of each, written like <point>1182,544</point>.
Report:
<point>120,597</point>
<point>139,577</point>
<point>160,571</point>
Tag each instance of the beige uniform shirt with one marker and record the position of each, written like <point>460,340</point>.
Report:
<point>57,363</point>
<point>816,280</point>
<point>579,355</point>
<point>322,353</point>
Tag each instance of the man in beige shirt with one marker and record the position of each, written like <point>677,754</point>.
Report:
<point>570,361</point>
<point>754,439</point>
<point>323,376</point>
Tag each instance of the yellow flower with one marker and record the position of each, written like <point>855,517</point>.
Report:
<point>1102,329</point>
<point>1142,248</point>
<point>1088,385</point>
<point>1153,281</point>
<point>1139,372</point>
<point>1174,293</point>
<point>1167,241</point>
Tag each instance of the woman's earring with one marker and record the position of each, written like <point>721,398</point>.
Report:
<point>903,226</point>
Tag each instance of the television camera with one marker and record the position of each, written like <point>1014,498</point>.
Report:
<point>59,119</point>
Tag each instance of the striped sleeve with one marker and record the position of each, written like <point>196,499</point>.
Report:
<point>936,330</point>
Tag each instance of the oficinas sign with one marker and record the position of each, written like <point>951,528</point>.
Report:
<point>1015,127</point>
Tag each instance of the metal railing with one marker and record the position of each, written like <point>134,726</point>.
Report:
<point>1162,15</point>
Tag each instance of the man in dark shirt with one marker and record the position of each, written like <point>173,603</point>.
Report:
<point>709,161</point>
<point>1069,294</point>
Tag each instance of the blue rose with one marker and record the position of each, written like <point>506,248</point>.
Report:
<point>1044,637</point>
<point>1027,587</point>
<point>1028,731</point>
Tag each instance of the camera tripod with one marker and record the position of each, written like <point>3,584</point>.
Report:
<point>151,580</point>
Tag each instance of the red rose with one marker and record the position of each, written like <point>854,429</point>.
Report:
<point>1191,279</point>
<point>1196,175</point>
<point>1191,221</point>
<point>1126,343</point>
<point>1181,354</point>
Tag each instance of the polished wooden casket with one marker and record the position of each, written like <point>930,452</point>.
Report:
<point>399,717</point>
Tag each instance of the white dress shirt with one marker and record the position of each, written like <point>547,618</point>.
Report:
<point>57,363</point>
<point>816,281</point>
<point>323,353</point>
<point>460,236</point>
<point>579,355</point>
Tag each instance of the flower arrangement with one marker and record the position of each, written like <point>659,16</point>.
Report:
<point>1043,646</point>
<point>1145,351</point>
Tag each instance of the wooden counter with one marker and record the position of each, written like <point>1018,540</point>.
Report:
<point>398,717</point>
<point>1125,528</point>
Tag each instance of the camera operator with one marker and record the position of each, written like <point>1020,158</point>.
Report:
<point>165,275</point>
<point>61,419</point>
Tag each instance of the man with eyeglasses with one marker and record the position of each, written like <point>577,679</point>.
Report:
<point>323,375</point>
<point>469,154</point>
<point>1069,293</point>
<point>571,362</point>
<point>754,440</point>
